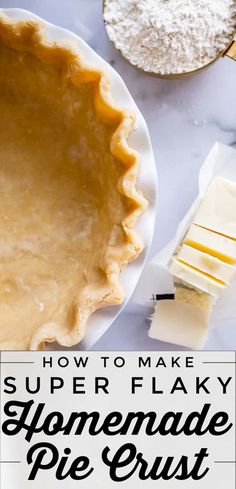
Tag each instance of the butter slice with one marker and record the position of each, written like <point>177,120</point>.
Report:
<point>209,242</point>
<point>193,297</point>
<point>196,279</point>
<point>206,263</point>
<point>218,210</point>
<point>183,321</point>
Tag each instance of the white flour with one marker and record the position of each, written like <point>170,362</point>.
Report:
<point>170,36</point>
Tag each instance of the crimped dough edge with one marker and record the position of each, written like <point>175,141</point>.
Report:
<point>28,36</point>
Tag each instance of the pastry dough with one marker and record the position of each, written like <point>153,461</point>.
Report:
<point>68,201</point>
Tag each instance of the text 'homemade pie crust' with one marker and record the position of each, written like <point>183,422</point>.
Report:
<point>68,200</point>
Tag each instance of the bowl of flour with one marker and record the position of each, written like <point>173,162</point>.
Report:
<point>170,38</point>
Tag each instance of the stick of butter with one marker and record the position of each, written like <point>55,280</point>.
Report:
<point>207,259</point>
<point>206,263</point>
<point>218,209</point>
<point>183,321</point>
<point>197,279</point>
<point>212,243</point>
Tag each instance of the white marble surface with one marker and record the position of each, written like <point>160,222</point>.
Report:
<point>185,118</point>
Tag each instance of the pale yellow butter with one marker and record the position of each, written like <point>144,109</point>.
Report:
<point>196,279</point>
<point>212,243</point>
<point>206,263</point>
<point>218,209</point>
<point>183,321</point>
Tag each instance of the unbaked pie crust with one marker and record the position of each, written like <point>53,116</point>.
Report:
<point>68,200</point>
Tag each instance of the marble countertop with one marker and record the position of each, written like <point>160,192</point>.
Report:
<point>185,117</point>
